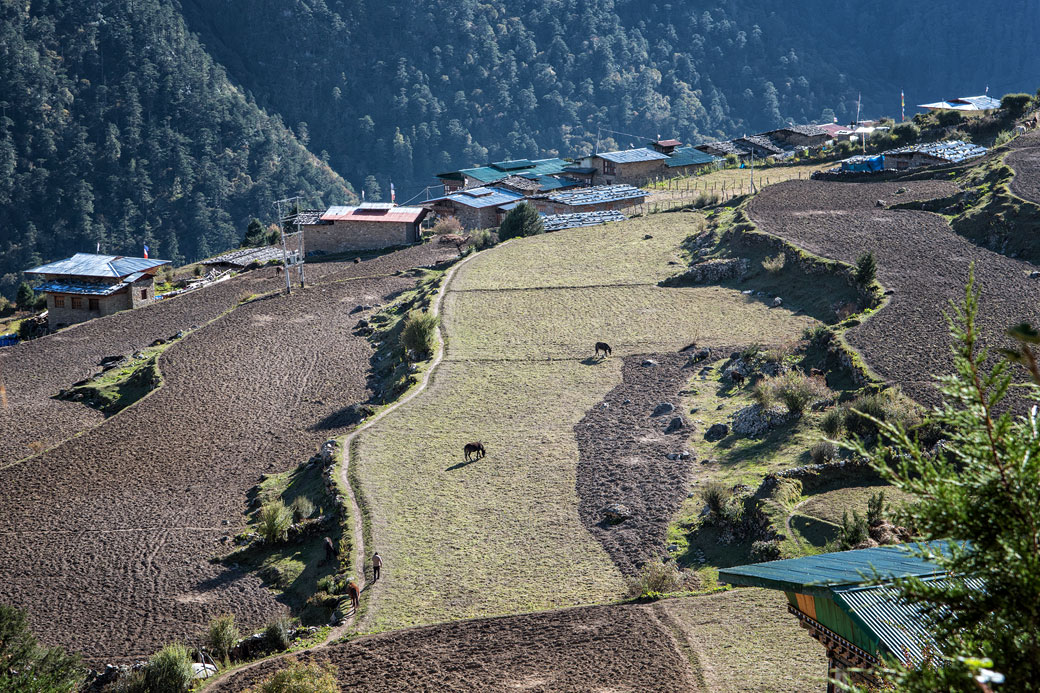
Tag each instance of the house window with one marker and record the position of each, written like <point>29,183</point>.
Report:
<point>144,294</point>
<point>609,168</point>
<point>93,304</point>
<point>77,302</point>
<point>59,301</point>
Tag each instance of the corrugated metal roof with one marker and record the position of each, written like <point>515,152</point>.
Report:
<point>688,156</point>
<point>760,141</point>
<point>807,130</point>
<point>89,265</point>
<point>479,198</point>
<point>668,143</point>
<point>900,626</point>
<point>819,574</point>
<point>581,169</point>
<point>490,174</point>
<point>629,156</point>
<point>596,195</point>
<point>724,146</point>
<point>547,183</point>
<point>306,217</point>
<point>245,256</point>
<point>558,222</point>
<point>965,103</point>
<point>375,212</point>
<point>83,288</point>
<point>953,151</point>
<point>512,165</point>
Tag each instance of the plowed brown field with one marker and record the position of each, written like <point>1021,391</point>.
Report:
<point>105,539</point>
<point>1025,160</point>
<point>919,257</point>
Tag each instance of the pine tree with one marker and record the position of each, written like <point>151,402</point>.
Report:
<point>522,220</point>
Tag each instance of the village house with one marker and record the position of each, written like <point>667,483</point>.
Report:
<point>759,145</point>
<point>860,622</point>
<point>665,146</point>
<point>965,104</point>
<point>476,208</point>
<point>533,185</point>
<point>629,166</point>
<point>837,132</point>
<point>933,154</point>
<point>595,199</point>
<point>480,176</point>
<point>723,148</point>
<point>797,136</point>
<point>87,286</point>
<point>368,226</point>
<point>687,160</point>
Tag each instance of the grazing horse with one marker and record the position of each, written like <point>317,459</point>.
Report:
<point>604,347</point>
<point>476,449</point>
<point>737,377</point>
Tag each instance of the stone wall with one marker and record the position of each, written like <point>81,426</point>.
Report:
<point>549,207</point>
<point>472,218</point>
<point>350,236</point>
<point>63,316</point>
<point>635,173</point>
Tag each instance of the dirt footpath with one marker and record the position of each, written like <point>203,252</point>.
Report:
<point>919,257</point>
<point>1025,160</point>
<point>105,539</point>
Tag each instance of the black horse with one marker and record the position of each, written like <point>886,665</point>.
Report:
<point>604,347</point>
<point>476,449</point>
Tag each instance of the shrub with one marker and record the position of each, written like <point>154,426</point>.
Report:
<point>774,264</point>
<point>948,118</point>
<point>833,422</point>
<point>484,239</point>
<point>1003,137</point>
<point>447,225</point>
<point>6,307</point>
<point>419,333</point>
<point>522,220</point>
<point>302,508</point>
<point>25,297</point>
<point>765,551</point>
<point>851,533</point>
<point>222,636</point>
<point>705,199</point>
<point>794,390</point>
<point>656,580</point>
<point>875,508</point>
<point>961,135</point>
<point>866,268</point>
<point>716,496</point>
<point>275,521</point>
<point>823,451</point>
<point>278,632</point>
<point>27,666</point>
<point>750,351</point>
<point>169,670</point>
<point>818,334</point>
<point>301,678</point>
<point>198,270</point>
<point>1015,104</point>
<point>881,406</point>
<point>905,133</point>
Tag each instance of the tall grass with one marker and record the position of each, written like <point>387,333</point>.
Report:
<point>419,333</point>
<point>794,390</point>
<point>222,636</point>
<point>774,264</point>
<point>301,678</point>
<point>275,520</point>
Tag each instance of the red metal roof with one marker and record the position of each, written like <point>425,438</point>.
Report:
<point>395,215</point>
<point>668,143</point>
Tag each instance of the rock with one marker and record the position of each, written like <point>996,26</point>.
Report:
<point>889,292</point>
<point>1035,274</point>
<point>360,324</point>
<point>616,512</point>
<point>777,302</point>
<point>649,362</point>
<point>716,432</point>
<point>684,455</point>
<point>664,408</point>
<point>879,203</point>
<point>675,425</point>
<point>698,356</point>
<point>158,342</point>
<point>627,401</point>
<point>647,237</point>
<point>695,410</point>
<point>748,292</point>
<point>672,456</point>
<point>753,421</point>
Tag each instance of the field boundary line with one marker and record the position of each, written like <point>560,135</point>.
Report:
<point>561,288</point>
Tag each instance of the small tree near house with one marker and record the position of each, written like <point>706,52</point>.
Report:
<point>25,296</point>
<point>522,220</point>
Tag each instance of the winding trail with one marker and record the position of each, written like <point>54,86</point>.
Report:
<point>346,443</point>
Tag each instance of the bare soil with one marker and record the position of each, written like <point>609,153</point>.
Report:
<point>1025,160</point>
<point>623,459</point>
<point>105,539</point>
<point>919,258</point>
<point>603,648</point>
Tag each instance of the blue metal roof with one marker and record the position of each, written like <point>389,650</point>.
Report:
<point>490,174</point>
<point>89,265</point>
<point>547,183</point>
<point>596,195</point>
<point>479,198</point>
<point>83,288</point>
<point>513,165</point>
<point>819,574</point>
<point>629,156</point>
<point>688,156</point>
<point>558,222</point>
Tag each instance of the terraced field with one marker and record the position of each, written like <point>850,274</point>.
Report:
<point>503,534</point>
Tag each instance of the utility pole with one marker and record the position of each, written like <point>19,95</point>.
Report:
<point>294,259</point>
<point>751,188</point>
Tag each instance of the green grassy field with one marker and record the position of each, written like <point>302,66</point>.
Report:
<point>502,534</point>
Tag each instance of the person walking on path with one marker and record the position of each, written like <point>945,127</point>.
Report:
<point>377,564</point>
<point>354,594</point>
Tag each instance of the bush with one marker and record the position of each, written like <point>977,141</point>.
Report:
<point>818,334</point>
<point>833,422</point>
<point>765,551</point>
<point>852,533</point>
<point>1015,104</point>
<point>222,636</point>
<point>198,270</point>
<point>875,508</point>
<point>750,351</point>
<point>522,220</point>
<point>301,678</point>
<point>823,451</point>
<point>1003,137</point>
<point>169,670</point>
<point>948,118</point>
<point>27,666</point>
<point>716,496</point>
<point>774,264</point>
<point>302,508</point>
<point>25,297</point>
<point>905,133</point>
<point>866,268</point>
<point>794,390</point>
<point>6,307</point>
<point>278,632</point>
<point>419,333</point>
<point>881,406</point>
<point>447,225</point>
<point>656,580</point>
<point>484,239</point>
<point>275,521</point>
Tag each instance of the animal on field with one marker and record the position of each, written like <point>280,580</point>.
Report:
<point>330,549</point>
<point>475,450</point>
<point>604,347</point>
<point>737,377</point>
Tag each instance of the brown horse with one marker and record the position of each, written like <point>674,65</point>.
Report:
<point>604,347</point>
<point>475,449</point>
<point>737,377</point>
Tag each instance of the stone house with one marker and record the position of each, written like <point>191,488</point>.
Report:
<point>368,226</point>
<point>723,148</point>
<point>932,154</point>
<point>599,198</point>
<point>476,208</point>
<point>811,136</point>
<point>629,166</point>
<point>87,286</point>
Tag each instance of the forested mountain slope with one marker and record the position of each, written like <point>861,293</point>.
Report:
<point>116,127</point>
<point>406,89</point>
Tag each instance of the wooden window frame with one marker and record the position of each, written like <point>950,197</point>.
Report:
<point>59,301</point>
<point>77,303</point>
<point>144,294</point>
<point>94,304</point>
<point>609,168</point>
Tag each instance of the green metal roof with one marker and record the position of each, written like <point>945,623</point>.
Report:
<point>538,167</point>
<point>688,156</point>
<point>819,574</point>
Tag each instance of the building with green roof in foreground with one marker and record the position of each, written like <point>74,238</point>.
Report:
<point>847,602</point>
